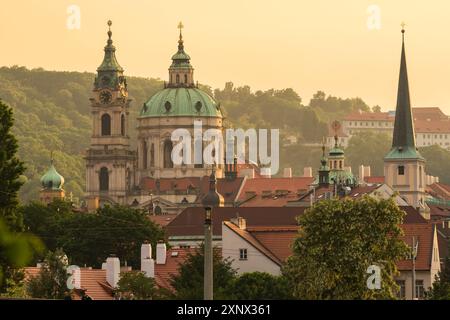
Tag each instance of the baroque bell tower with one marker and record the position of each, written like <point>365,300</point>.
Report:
<point>109,159</point>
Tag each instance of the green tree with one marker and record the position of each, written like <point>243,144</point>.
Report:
<point>441,286</point>
<point>134,285</point>
<point>259,286</point>
<point>368,148</point>
<point>51,281</point>
<point>438,162</point>
<point>11,169</point>
<point>88,239</point>
<point>188,283</point>
<point>16,250</point>
<point>338,240</point>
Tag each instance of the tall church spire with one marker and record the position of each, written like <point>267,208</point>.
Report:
<point>403,142</point>
<point>404,128</point>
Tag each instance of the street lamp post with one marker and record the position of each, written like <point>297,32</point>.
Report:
<point>208,263</point>
<point>211,200</point>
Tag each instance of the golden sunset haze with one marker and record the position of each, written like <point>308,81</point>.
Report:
<point>306,45</point>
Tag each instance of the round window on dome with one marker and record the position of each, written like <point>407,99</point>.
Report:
<point>168,106</point>
<point>198,106</point>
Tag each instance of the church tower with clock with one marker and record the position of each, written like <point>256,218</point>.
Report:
<point>109,159</point>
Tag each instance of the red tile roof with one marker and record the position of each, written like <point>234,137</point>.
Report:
<point>259,185</point>
<point>439,190</point>
<point>436,126</point>
<point>426,120</point>
<point>423,232</point>
<point>228,188</point>
<point>162,220</point>
<point>379,180</point>
<point>369,116</point>
<point>92,280</point>
<point>174,258</point>
<point>190,221</point>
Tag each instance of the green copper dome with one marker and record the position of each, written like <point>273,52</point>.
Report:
<point>176,102</point>
<point>52,180</point>
<point>336,151</point>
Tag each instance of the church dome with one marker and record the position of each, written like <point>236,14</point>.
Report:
<point>181,102</point>
<point>52,180</point>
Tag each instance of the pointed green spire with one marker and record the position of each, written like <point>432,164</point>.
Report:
<point>109,61</point>
<point>403,142</point>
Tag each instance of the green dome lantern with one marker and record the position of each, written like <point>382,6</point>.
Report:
<point>52,180</point>
<point>181,95</point>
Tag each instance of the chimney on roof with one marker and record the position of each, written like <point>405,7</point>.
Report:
<point>287,173</point>
<point>147,263</point>
<point>240,222</point>
<point>248,172</point>
<point>266,172</point>
<point>112,270</point>
<point>161,253</point>
<point>307,172</point>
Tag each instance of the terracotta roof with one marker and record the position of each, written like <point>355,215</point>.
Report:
<point>436,126</point>
<point>432,113</point>
<point>228,188</point>
<point>439,190</point>
<point>412,215</point>
<point>369,116</point>
<point>379,180</point>
<point>258,186</point>
<point>162,220</point>
<point>273,201</point>
<point>423,232</point>
<point>279,242</point>
<point>166,184</point>
<point>190,221</point>
<point>439,212</point>
<point>174,257</point>
<point>419,114</point>
<point>355,193</point>
<point>247,236</point>
<point>92,280</point>
<point>275,241</point>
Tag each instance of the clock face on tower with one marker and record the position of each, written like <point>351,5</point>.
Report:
<point>105,97</point>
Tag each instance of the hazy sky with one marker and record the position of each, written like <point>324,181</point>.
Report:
<point>306,45</point>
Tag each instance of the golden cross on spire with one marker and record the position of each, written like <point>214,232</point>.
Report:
<point>180,26</point>
<point>109,24</point>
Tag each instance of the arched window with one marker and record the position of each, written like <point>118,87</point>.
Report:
<point>104,179</point>
<point>122,125</point>
<point>168,154</point>
<point>106,125</point>
<point>144,154</point>
<point>185,78</point>
<point>340,164</point>
<point>178,78</point>
<point>152,155</point>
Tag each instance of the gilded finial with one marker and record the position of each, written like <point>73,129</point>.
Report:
<point>403,31</point>
<point>109,29</point>
<point>180,26</point>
